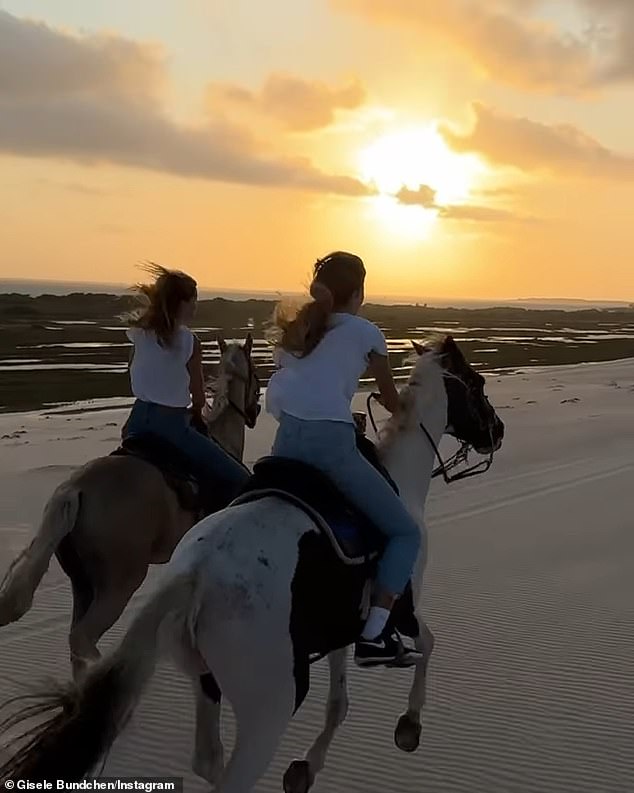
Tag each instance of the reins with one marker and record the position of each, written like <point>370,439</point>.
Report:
<point>444,466</point>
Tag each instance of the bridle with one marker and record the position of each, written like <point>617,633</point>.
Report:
<point>248,379</point>
<point>445,466</point>
<point>460,457</point>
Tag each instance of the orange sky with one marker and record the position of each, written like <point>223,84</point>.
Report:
<point>464,149</point>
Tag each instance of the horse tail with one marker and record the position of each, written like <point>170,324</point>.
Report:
<point>27,569</point>
<point>90,714</point>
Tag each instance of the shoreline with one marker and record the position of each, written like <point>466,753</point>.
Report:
<point>73,348</point>
<point>81,407</point>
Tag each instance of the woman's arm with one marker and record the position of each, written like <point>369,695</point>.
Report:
<point>196,378</point>
<point>380,369</point>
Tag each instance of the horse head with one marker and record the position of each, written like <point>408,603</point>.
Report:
<point>469,416</point>
<point>236,383</point>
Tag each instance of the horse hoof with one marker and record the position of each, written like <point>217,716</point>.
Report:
<point>298,778</point>
<point>407,734</point>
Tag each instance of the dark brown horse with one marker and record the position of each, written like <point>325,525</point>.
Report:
<point>117,515</point>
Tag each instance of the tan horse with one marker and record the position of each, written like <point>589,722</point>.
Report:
<point>116,516</point>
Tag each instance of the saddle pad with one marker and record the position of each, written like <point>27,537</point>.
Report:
<point>353,537</point>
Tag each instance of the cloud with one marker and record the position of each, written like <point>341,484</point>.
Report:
<point>36,60</point>
<point>504,190</point>
<point>300,105</point>
<point>425,197</point>
<point>107,113</point>
<point>512,44</point>
<point>500,36</point>
<point>612,25</point>
<point>482,214</point>
<point>532,145</point>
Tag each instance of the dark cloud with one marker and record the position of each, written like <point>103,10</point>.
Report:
<point>425,197</point>
<point>89,99</point>
<point>298,104</point>
<point>532,145</point>
<point>512,44</point>
<point>501,37</point>
<point>36,60</point>
<point>612,26</point>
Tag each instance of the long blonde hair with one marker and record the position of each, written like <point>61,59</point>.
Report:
<point>336,278</point>
<point>161,301</point>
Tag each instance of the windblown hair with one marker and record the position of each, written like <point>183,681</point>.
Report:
<point>161,301</point>
<point>336,278</point>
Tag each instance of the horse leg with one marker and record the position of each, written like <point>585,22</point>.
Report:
<point>408,729</point>
<point>81,585</point>
<point>301,774</point>
<point>105,609</point>
<point>82,600</point>
<point>208,760</point>
<point>263,708</point>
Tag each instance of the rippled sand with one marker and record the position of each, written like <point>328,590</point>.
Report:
<point>529,590</point>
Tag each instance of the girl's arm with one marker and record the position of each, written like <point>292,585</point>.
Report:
<point>196,377</point>
<point>382,372</point>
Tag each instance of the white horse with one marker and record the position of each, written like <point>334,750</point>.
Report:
<point>233,603</point>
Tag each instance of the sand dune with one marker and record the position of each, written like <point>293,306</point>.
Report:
<point>529,591</point>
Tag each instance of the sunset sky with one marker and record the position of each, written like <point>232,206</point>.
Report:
<point>464,148</point>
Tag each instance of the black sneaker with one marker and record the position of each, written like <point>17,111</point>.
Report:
<point>385,650</point>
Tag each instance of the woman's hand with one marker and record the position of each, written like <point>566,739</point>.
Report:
<point>382,373</point>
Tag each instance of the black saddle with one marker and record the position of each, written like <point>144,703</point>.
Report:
<point>353,536</point>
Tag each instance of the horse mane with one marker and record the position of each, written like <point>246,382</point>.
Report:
<point>421,365</point>
<point>217,384</point>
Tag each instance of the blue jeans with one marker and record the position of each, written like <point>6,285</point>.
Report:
<point>210,460</point>
<point>331,447</point>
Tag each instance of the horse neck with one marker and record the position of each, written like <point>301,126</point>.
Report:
<point>227,427</point>
<point>409,456</point>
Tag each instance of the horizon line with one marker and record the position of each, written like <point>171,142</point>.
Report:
<point>281,293</point>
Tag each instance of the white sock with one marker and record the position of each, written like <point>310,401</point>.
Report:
<point>376,622</point>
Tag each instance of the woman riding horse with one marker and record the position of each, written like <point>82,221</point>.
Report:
<point>166,376</point>
<point>322,352</point>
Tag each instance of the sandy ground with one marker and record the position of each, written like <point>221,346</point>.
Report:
<point>529,589</point>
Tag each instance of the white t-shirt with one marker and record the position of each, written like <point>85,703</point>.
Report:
<point>159,374</point>
<point>321,385</point>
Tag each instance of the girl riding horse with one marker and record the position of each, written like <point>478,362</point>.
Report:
<point>321,353</point>
<point>166,376</point>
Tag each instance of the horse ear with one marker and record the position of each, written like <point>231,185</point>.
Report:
<point>452,351</point>
<point>222,344</point>
<point>248,345</point>
<point>419,349</point>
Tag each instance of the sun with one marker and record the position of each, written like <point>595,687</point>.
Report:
<point>412,159</point>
